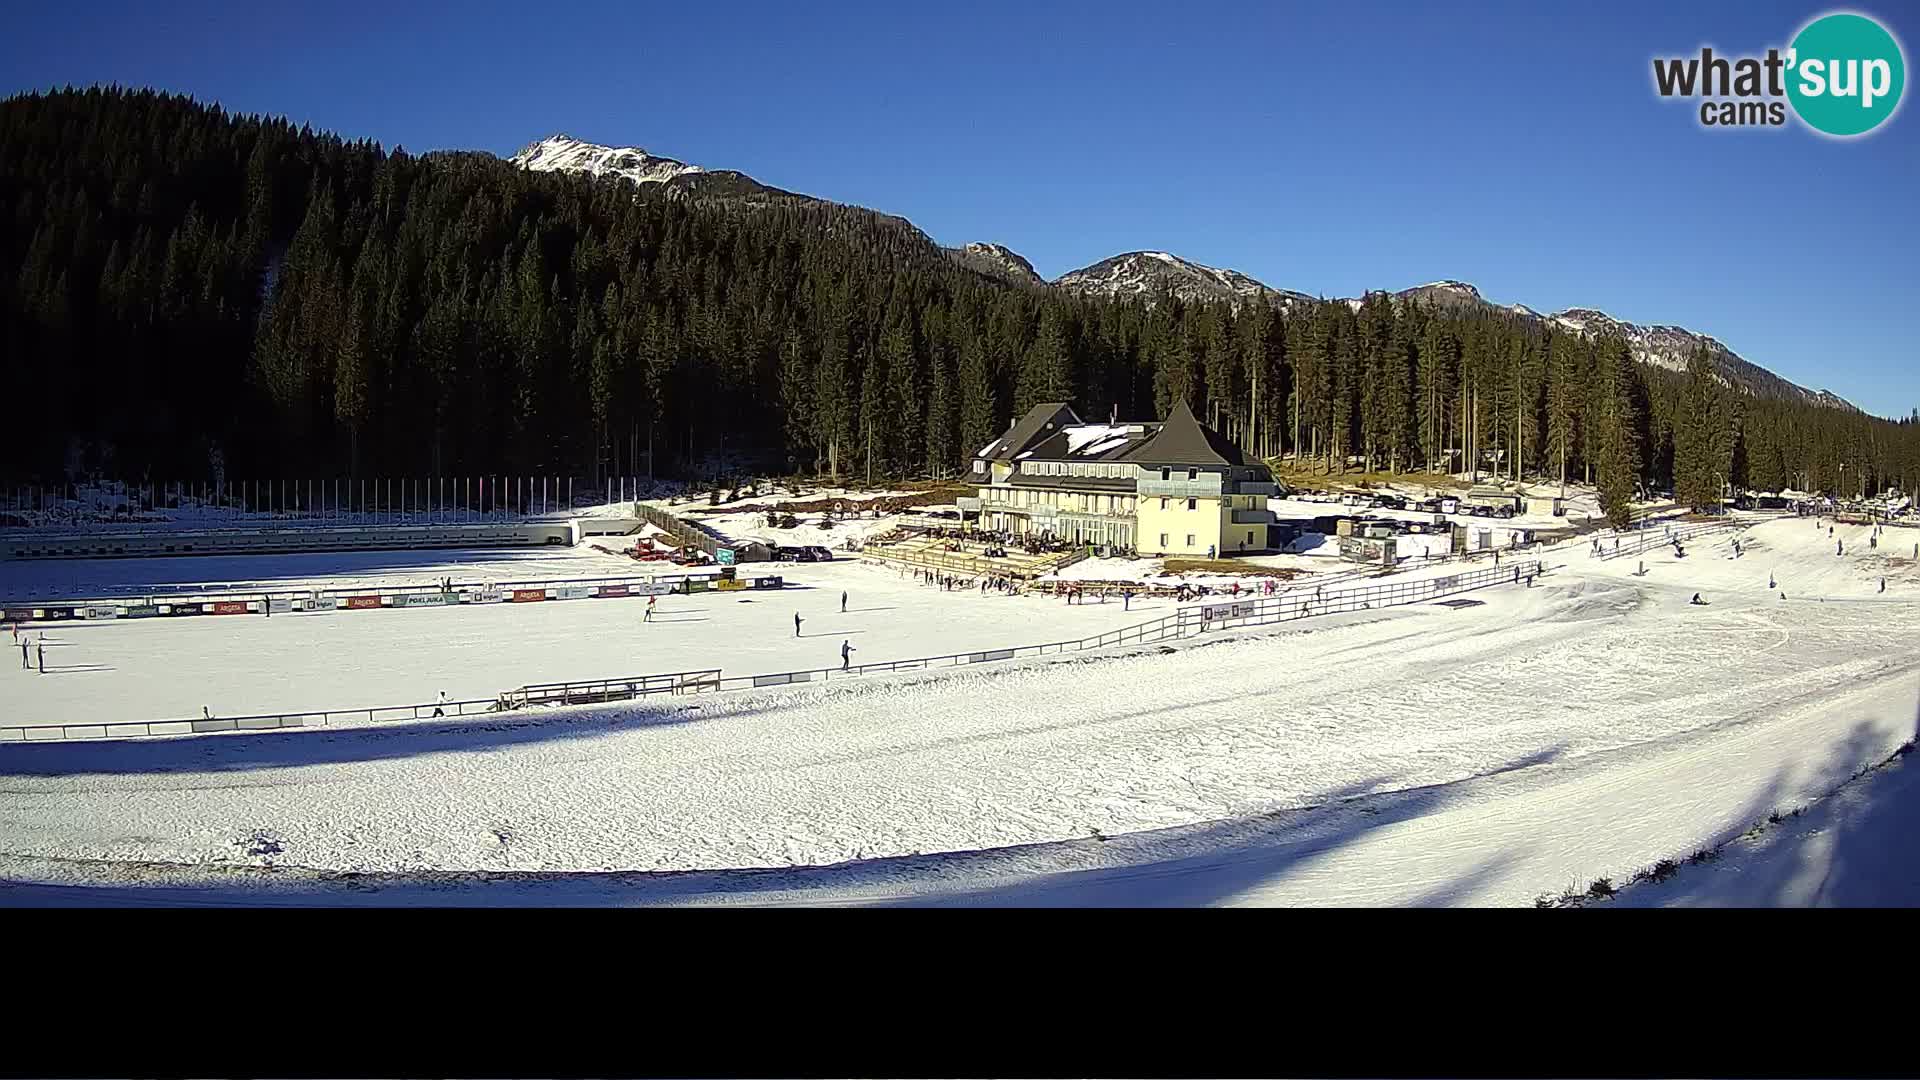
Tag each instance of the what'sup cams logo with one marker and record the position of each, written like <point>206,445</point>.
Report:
<point>1842,76</point>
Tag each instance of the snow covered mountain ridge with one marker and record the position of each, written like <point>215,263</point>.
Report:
<point>563,153</point>
<point>1144,275</point>
<point>998,260</point>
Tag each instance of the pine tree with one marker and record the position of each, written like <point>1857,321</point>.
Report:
<point>1617,426</point>
<point>1702,438</point>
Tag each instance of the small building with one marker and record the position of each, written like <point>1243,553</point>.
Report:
<point>1495,497</point>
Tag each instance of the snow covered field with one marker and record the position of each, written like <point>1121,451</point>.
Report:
<point>151,669</point>
<point>1485,755</point>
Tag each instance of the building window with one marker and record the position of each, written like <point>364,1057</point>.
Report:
<point>1193,504</point>
<point>1163,540</point>
<point>1166,472</point>
<point>1193,474</point>
<point>1189,539</point>
<point>1163,503</point>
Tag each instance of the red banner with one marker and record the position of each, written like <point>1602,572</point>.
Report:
<point>363,601</point>
<point>613,590</point>
<point>229,607</point>
<point>527,596</point>
<point>18,615</point>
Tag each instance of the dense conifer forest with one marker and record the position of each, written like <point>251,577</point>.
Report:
<point>180,286</point>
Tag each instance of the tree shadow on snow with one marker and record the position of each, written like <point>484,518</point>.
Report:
<point>1853,848</point>
<point>238,752</point>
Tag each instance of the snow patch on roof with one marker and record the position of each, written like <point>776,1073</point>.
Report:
<point>1081,437</point>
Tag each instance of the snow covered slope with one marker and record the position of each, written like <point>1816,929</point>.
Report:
<point>1668,347</point>
<point>1661,346</point>
<point>1486,755</point>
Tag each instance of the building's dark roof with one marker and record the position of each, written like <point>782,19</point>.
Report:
<point>1184,440</point>
<point>1051,432</point>
<point>1040,422</point>
<point>1091,442</point>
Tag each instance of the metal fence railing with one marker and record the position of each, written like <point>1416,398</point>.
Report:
<point>360,500</point>
<point>1217,614</point>
<point>977,565</point>
<point>211,593</point>
<point>28,733</point>
<point>1192,620</point>
<point>1642,541</point>
<point>626,687</point>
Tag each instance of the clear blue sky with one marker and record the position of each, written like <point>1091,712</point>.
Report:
<point>1328,147</point>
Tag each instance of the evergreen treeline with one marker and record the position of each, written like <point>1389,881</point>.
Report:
<point>179,282</point>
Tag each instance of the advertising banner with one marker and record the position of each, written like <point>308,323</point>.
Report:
<point>572,592</point>
<point>429,599</point>
<point>141,611</point>
<point>228,607</point>
<point>529,596</point>
<point>363,601</point>
<point>322,603</point>
<point>102,613</point>
<point>612,590</point>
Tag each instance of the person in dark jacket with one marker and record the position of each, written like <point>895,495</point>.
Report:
<point>843,603</point>
<point>796,624</point>
<point>846,655</point>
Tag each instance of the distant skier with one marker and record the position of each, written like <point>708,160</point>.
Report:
<point>648,617</point>
<point>846,655</point>
<point>440,704</point>
<point>843,603</point>
<point>1696,601</point>
<point>1883,584</point>
<point>25,663</point>
<point>796,624</point>
<point>40,654</point>
<point>1839,547</point>
<point>266,606</point>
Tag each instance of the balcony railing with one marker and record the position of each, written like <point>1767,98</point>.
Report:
<point>1206,486</point>
<point>1253,517</point>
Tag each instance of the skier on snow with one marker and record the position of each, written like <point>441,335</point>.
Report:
<point>846,654</point>
<point>843,603</point>
<point>796,624</point>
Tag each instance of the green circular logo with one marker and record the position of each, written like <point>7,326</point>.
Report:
<point>1845,74</point>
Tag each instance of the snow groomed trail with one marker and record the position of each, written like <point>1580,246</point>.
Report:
<point>1485,755</point>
